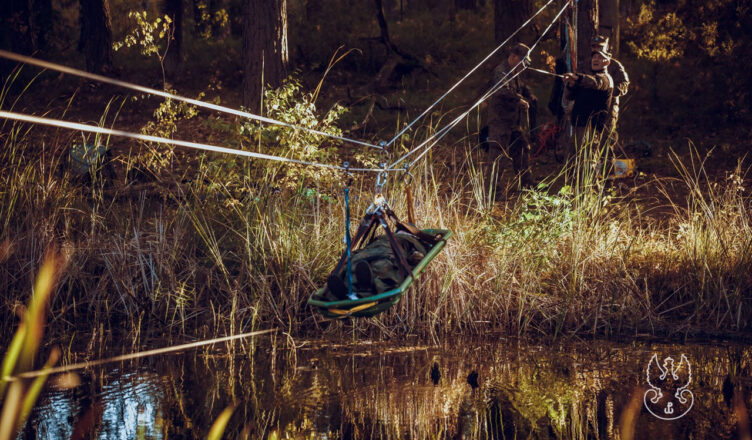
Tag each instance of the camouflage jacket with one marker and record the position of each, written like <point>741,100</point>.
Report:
<point>592,96</point>
<point>506,106</point>
<point>620,77</point>
<point>621,85</point>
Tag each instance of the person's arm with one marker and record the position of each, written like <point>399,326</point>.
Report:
<point>621,79</point>
<point>599,81</point>
<point>506,93</point>
<point>571,80</point>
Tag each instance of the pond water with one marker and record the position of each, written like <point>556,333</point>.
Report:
<point>497,389</point>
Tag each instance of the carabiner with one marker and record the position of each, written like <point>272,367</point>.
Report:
<point>380,181</point>
<point>408,176</point>
<point>348,175</point>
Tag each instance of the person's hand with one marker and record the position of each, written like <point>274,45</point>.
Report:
<point>524,104</point>
<point>570,78</point>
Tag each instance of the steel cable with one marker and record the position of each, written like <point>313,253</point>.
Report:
<point>163,94</point>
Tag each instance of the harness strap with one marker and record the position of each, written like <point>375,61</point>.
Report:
<point>396,247</point>
<point>348,243</point>
<point>368,222</point>
<point>410,213</point>
<point>412,229</point>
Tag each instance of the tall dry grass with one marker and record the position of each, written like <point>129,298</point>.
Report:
<point>203,253</point>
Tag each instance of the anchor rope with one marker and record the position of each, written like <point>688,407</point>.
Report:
<point>477,66</point>
<point>131,356</point>
<point>163,94</point>
<point>499,85</point>
<point>160,140</point>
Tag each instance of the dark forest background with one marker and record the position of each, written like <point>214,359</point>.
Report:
<point>688,59</point>
<point>235,244</point>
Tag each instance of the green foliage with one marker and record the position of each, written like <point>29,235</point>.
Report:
<point>657,38</point>
<point>541,219</point>
<point>19,395</point>
<point>152,37</point>
<point>705,26</point>
<point>219,425</point>
<point>156,159</point>
<point>291,104</point>
<point>209,21</point>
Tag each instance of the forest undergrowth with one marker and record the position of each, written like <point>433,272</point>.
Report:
<point>162,244</point>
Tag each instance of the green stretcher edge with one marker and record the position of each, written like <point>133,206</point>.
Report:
<point>417,270</point>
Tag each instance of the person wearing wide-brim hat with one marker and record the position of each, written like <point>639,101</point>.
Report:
<point>592,96</point>
<point>621,83</point>
<point>522,51</point>
<point>510,112</point>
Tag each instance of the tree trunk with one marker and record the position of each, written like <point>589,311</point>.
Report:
<point>609,23</point>
<point>587,28</point>
<point>508,16</point>
<point>174,57</point>
<point>96,35</point>
<point>264,48</point>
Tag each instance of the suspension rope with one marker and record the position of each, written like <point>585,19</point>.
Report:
<point>160,140</point>
<point>546,72</point>
<point>454,123</point>
<point>348,244</point>
<point>131,356</point>
<point>500,84</point>
<point>439,134</point>
<point>163,94</point>
<point>425,112</point>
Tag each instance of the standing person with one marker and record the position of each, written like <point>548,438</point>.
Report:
<point>510,115</point>
<point>592,96</point>
<point>621,83</point>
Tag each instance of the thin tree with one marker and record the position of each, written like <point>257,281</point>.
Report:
<point>265,54</point>
<point>587,28</point>
<point>95,41</point>
<point>174,57</point>
<point>609,22</point>
<point>42,22</point>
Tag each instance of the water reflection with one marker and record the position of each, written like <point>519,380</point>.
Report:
<point>468,389</point>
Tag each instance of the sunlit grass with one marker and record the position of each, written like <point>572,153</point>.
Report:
<point>19,395</point>
<point>224,248</point>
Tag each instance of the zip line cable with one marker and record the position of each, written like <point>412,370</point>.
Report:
<point>195,145</point>
<point>131,356</point>
<point>160,140</point>
<point>441,133</point>
<point>493,90</point>
<point>398,135</point>
<point>163,94</point>
<point>454,122</point>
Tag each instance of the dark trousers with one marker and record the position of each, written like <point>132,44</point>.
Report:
<point>516,146</point>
